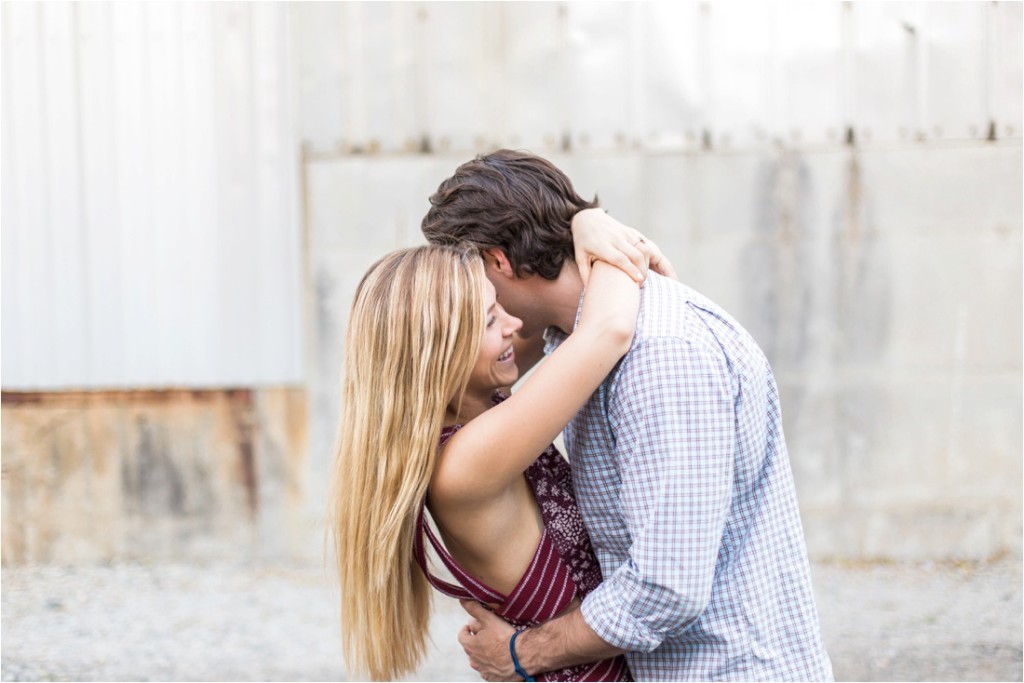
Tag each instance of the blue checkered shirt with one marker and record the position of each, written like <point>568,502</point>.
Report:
<point>685,486</point>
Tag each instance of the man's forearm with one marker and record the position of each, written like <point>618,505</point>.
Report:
<point>565,641</point>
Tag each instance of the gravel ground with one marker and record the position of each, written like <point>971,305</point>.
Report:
<point>232,622</point>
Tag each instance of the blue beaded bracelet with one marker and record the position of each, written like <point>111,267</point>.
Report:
<point>515,659</point>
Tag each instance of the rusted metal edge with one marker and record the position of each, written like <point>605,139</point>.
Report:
<point>125,396</point>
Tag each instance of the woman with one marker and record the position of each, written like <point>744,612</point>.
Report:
<point>429,359</point>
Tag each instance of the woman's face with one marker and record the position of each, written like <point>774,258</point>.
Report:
<point>496,364</point>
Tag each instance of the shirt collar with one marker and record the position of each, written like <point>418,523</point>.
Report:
<point>553,337</point>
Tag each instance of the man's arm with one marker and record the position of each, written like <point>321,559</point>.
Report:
<point>672,410</point>
<point>673,414</point>
<point>556,644</point>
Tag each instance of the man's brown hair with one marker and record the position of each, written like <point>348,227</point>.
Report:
<point>510,200</point>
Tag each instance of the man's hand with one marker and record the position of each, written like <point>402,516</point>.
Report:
<point>599,237</point>
<point>485,639</point>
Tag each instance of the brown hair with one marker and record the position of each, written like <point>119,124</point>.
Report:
<point>510,200</point>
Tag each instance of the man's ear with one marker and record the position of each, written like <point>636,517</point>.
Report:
<point>495,258</point>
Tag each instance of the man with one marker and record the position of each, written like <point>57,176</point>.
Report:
<point>679,462</point>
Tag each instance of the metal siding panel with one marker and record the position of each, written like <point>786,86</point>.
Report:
<point>258,262</point>
<point>674,76</point>
<point>291,186</point>
<point>150,219</point>
<point>954,48</point>
<point>383,95</point>
<point>744,74</point>
<point>809,48</point>
<point>14,348</point>
<point>602,61</point>
<point>134,190</point>
<point>277,260</point>
<point>887,95</point>
<point>353,100</point>
<point>461,67</point>
<point>64,202</point>
<point>200,274</point>
<point>1007,75</point>
<point>236,185</point>
<point>31,278</point>
<point>266,199</point>
<point>533,115</point>
<point>322,74</point>
<point>104,285</point>
<point>167,251</point>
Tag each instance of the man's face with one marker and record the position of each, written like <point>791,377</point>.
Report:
<point>516,296</point>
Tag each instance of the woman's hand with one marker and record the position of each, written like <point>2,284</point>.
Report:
<point>599,237</point>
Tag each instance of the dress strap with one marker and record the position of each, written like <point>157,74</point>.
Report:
<point>471,588</point>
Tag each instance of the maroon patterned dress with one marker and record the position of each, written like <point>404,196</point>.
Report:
<point>563,567</point>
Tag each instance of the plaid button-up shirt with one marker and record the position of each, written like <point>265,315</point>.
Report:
<point>682,475</point>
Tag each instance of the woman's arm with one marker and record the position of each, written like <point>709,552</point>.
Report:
<point>597,236</point>
<point>495,448</point>
<point>528,352</point>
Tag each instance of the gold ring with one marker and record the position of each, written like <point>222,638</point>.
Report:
<point>639,241</point>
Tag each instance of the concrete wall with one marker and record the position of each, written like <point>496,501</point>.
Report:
<point>153,475</point>
<point>845,179</point>
<point>884,285</point>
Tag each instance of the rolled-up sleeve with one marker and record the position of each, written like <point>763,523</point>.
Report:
<point>671,409</point>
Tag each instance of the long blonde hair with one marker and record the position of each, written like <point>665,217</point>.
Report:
<point>414,334</point>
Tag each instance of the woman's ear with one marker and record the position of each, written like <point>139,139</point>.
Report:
<point>496,260</point>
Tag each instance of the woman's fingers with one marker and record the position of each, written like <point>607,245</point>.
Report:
<point>599,237</point>
<point>639,259</point>
<point>629,259</point>
<point>583,262</point>
<point>659,263</point>
<point>623,256</point>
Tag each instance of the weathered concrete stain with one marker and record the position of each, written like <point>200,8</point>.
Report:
<point>242,412</point>
<point>777,264</point>
<point>94,476</point>
<point>864,291</point>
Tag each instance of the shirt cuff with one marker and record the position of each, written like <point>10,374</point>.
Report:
<point>606,612</point>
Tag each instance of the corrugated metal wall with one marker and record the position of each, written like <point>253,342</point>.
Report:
<point>151,232</point>
<point>661,76</point>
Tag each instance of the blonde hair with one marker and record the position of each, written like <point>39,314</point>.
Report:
<point>414,334</point>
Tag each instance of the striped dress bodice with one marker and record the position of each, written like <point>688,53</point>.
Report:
<point>563,567</point>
